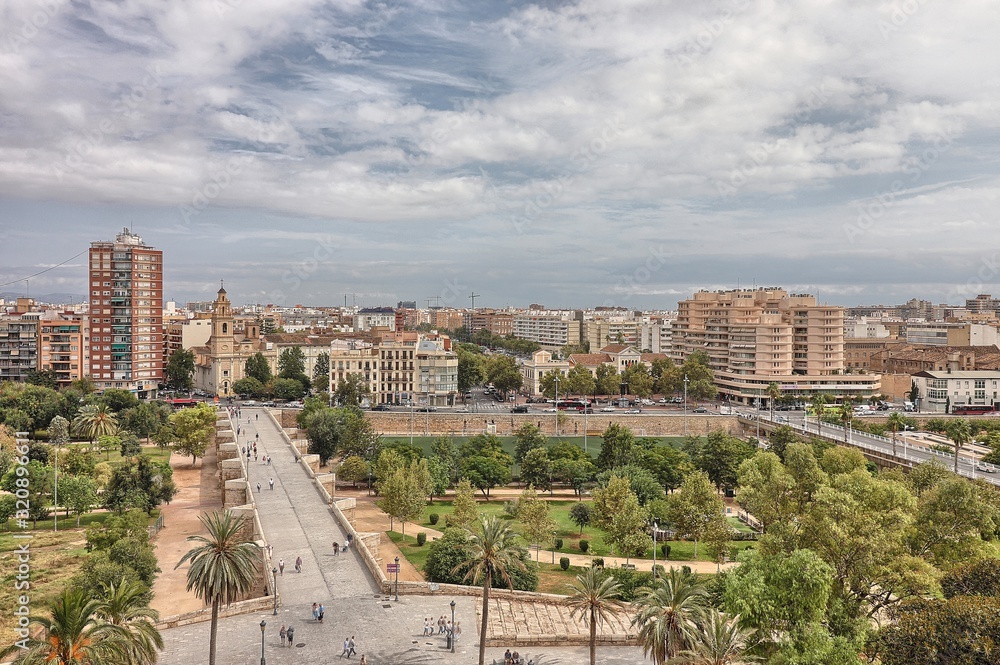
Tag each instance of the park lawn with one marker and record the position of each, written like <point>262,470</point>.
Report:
<point>569,532</point>
<point>738,525</point>
<point>54,558</point>
<point>408,547</point>
<point>114,457</point>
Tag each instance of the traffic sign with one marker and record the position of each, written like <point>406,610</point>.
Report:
<point>392,567</point>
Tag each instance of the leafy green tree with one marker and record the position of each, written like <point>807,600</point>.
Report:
<point>812,644</point>
<point>288,388</point>
<point>321,372</point>
<point>440,476</point>
<point>536,469</point>
<point>694,507</point>
<point>139,483</point>
<point>701,379</point>
<point>8,508</point>
<point>402,494</point>
<point>72,634</point>
<point>767,490</point>
<point>950,520</point>
<point>351,391</point>
<point>639,380</point>
<point>146,418</point>
<point>223,566</point>
<point>720,456</point>
<point>494,554</point>
<point>36,478</point>
<point>667,464</point>
<point>780,438</point>
<point>291,363</point>
<point>978,578</point>
<point>78,494</point>
<point>533,514</point>
<point>117,399</point>
<point>551,383</point>
<point>386,464</point>
<point>129,445</point>
<point>46,378</point>
<point>257,367</point>
<point>642,483</point>
<point>964,629</point>
<point>582,515</point>
<point>443,448</point>
<point>617,447</point>
<point>324,430</point>
<point>579,381</point>
<point>471,367</point>
<point>179,371</point>
<point>627,529</point>
<point>526,438</point>
<point>503,373</point>
<point>841,459</point>
<point>353,469</point>
<point>594,597</point>
<point>446,555</point>
<point>249,387</point>
<point>465,511</point>
<point>607,380</point>
<point>193,430</point>
<point>667,615</point>
<point>485,473</point>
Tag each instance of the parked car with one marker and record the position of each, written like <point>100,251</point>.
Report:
<point>646,402</point>
<point>268,403</point>
<point>426,409</point>
<point>662,400</point>
<point>676,400</point>
<point>984,468</point>
<point>249,402</point>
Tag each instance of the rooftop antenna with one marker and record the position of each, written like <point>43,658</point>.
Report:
<point>354,298</point>
<point>437,302</point>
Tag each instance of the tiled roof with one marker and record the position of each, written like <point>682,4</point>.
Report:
<point>589,359</point>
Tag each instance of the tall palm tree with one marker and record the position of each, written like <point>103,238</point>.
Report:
<point>73,635</point>
<point>846,415</point>
<point>223,567</point>
<point>494,552</point>
<point>124,605</point>
<point>667,614</point>
<point>895,422</point>
<point>773,393</point>
<point>719,641</point>
<point>818,403</point>
<point>960,432</point>
<point>595,596</point>
<point>95,420</point>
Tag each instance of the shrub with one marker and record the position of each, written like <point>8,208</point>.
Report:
<point>630,581</point>
<point>510,508</point>
<point>584,546</point>
<point>559,543</point>
<point>665,550</point>
<point>421,539</point>
<point>564,562</point>
<point>433,518</point>
<point>598,562</point>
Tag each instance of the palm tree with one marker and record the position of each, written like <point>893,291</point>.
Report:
<point>667,613</point>
<point>494,552</point>
<point>95,420</point>
<point>73,635</point>
<point>818,403</point>
<point>595,597</point>
<point>895,423</point>
<point>719,641</point>
<point>773,393</point>
<point>223,567</point>
<point>846,415</point>
<point>960,432</point>
<point>124,605</point>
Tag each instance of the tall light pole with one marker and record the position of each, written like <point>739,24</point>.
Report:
<point>656,524</point>
<point>263,625</point>
<point>274,576</point>
<point>453,626</point>
<point>685,405</point>
<point>555,380</point>
<point>397,579</point>
<point>553,548</point>
<point>55,496</point>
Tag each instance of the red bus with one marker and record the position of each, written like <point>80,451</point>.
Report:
<point>575,404</point>
<point>971,409</point>
<point>182,402</point>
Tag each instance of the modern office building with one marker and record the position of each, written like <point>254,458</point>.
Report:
<point>753,338</point>
<point>126,314</point>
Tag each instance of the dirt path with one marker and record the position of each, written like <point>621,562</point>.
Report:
<point>198,492</point>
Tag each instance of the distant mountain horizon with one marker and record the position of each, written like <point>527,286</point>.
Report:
<point>52,298</point>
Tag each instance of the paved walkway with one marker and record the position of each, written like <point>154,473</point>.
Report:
<point>297,522</point>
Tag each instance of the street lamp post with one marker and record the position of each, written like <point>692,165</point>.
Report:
<point>397,579</point>
<point>555,380</point>
<point>553,548</point>
<point>453,626</point>
<point>656,524</point>
<point>685,405</point>
<point>263,625</point>
<point>274,575</point>
<point>55,496</point>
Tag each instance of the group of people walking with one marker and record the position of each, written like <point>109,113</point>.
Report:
<point>444,627</point>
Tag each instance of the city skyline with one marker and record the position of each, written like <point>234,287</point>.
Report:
<point>571,154</point>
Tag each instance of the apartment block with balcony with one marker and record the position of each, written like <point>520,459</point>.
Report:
<point>942,391</point>
<point>550,329</point>
<point>126,314</point>
<point>753,338</point>
<point>600,332</point>
<point>497,322</point>
<point>63,345</point>
<point>18,345</point>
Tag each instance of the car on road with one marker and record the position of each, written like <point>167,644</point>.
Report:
<point>381,407</point>
<point>426,409</point>
<point>608,409</point>
<point>984,468</point>
<point>268,403</point>
<point>662,400</point>
<point>551,409</point>
<point>520,408</point>
<point>248,402</point>
<point>633,411</point>
<point>676,400</point>
<point>700,409</point>
<point>462,410</point>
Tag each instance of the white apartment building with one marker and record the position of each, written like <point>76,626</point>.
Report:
<point>551,329</point>
<point>942,391</point>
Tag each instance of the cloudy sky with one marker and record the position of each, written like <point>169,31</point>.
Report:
<point>567,153</point>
